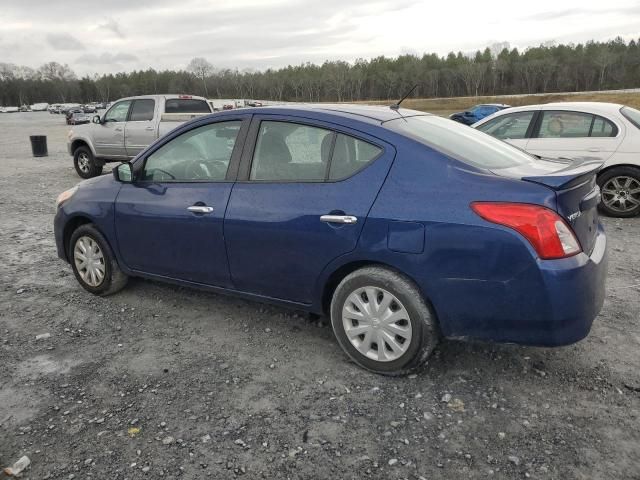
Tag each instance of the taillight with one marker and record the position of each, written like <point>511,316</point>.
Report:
<point>549,234</point>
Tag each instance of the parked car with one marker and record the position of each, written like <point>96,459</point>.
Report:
<point>402,226</point>
<point>478,112</point>
<point>605,131</point>
<point>89,108</point>
<point>79,118</point>
<point>72,111</point>
<point>128,127</point>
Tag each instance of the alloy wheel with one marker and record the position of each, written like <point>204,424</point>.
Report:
<point>83,162</point>
<point>621,194</point>
<point>377,324</point>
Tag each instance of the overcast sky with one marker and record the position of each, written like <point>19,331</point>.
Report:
<point>122,35</point>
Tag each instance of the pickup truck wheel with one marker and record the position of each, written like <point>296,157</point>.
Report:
<point>94,264</point>
<point>85,163</point>
<point>620,188</point>
<point>382,322</point>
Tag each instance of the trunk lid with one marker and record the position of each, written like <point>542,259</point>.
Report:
<point>577,194</point>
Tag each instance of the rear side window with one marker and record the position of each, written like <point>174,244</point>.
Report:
<point>632,115</point>
<point>556,124</point>
<point>142,110</point>
<point>290,152</point>
<point>186,105</point>
<point>351,155</point>
<point>512,126</point>
<point>460,142</point>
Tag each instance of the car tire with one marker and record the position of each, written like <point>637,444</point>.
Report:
<point>107,278</point>
<point>85,163</point>
<point>617,185</point>
<point>408,340</point>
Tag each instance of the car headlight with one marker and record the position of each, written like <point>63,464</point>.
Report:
<point>66,195</point>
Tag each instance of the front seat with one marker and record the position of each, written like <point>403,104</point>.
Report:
<point>273,156</point>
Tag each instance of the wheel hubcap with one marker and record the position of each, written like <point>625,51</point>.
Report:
<point>377,324</point>
<point>89,261</point>
<point>621,194</point>
<point>83,162</point>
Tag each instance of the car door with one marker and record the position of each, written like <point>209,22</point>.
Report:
<point>574,134</point>
<point>169,221</point>
<point>108,136</point>
<point>514,128</point>
<point>139,130</point>
<point>302,197</point>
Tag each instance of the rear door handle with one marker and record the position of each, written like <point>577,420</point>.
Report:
<point>149,129</point>
<point>200,209</point>
<point>347,219</point>
<point>118,129</point>
<point>594,149</point>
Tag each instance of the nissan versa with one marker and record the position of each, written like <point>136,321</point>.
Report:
<point>403,226</point>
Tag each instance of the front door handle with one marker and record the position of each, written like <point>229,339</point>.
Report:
<point>118,129</point>
<point>149,129</point>
<point>348,219</point>
<point>200,209</point>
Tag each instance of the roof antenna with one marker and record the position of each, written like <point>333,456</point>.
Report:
<point>396,106</point>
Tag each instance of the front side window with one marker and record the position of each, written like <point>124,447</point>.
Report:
<point>200,155</point>
<point>118,113</point>
<point>512,126</point>
<point>460,142</point>
<point>565,124</point>
<point>142,110</point>
<point>291,152</point>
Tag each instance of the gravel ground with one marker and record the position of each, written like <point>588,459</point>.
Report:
<point>164,382</point>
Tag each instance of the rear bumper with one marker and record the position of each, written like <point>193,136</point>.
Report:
<point>552,303</point>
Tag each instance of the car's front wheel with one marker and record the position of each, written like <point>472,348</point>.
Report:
<point>382,321</point>
<point>620,188</point>
<point>94,265</point>
<point>85,163</point>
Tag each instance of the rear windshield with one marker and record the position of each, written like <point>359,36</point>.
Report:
<point>186,105</point>
<point>632,115</point>
<point>461,142</point>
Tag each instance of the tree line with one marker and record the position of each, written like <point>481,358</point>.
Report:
<point>495,70</point>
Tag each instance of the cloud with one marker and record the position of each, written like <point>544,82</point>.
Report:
<point>112,26</point>
<point>105,59</point>
<point>64,41</point>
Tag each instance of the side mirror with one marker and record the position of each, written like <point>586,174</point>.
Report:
<point>96,119</point>
<point>123,173</point>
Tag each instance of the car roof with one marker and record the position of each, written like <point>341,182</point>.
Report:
<point>492,105</point>
<point>368,113</point>
<point>588,107</point>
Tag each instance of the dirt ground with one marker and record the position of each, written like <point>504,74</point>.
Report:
<point>164,382</point>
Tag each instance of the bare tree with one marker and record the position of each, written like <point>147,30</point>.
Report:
<point>201,68</point>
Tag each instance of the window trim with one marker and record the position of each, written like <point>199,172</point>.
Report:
<point>234,161</point>
<point>141,100</point>
<point>536,130</point>
<point>246,162</point>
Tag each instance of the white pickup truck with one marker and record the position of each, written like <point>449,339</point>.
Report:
<point>130,125</point>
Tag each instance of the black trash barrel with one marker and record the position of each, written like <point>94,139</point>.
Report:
<point>39,145</point>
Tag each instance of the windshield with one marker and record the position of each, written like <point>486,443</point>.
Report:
<point>632,115</point>
<point>461,142</point>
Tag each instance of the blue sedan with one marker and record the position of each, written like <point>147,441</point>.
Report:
<point>477,113</point>
<point>402,226</point>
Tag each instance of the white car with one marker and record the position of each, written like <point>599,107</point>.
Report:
<point>606,131</point>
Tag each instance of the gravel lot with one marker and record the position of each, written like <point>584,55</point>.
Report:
<point>164,382</point>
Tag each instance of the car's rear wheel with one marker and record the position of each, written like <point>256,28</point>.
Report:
<point>85,163</point>
<point>382,322</point>
<point>620,188</point>
<point>94,265</point>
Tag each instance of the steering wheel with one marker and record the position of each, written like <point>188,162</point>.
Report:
<point>203,170</point>
<point>164,172</point>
